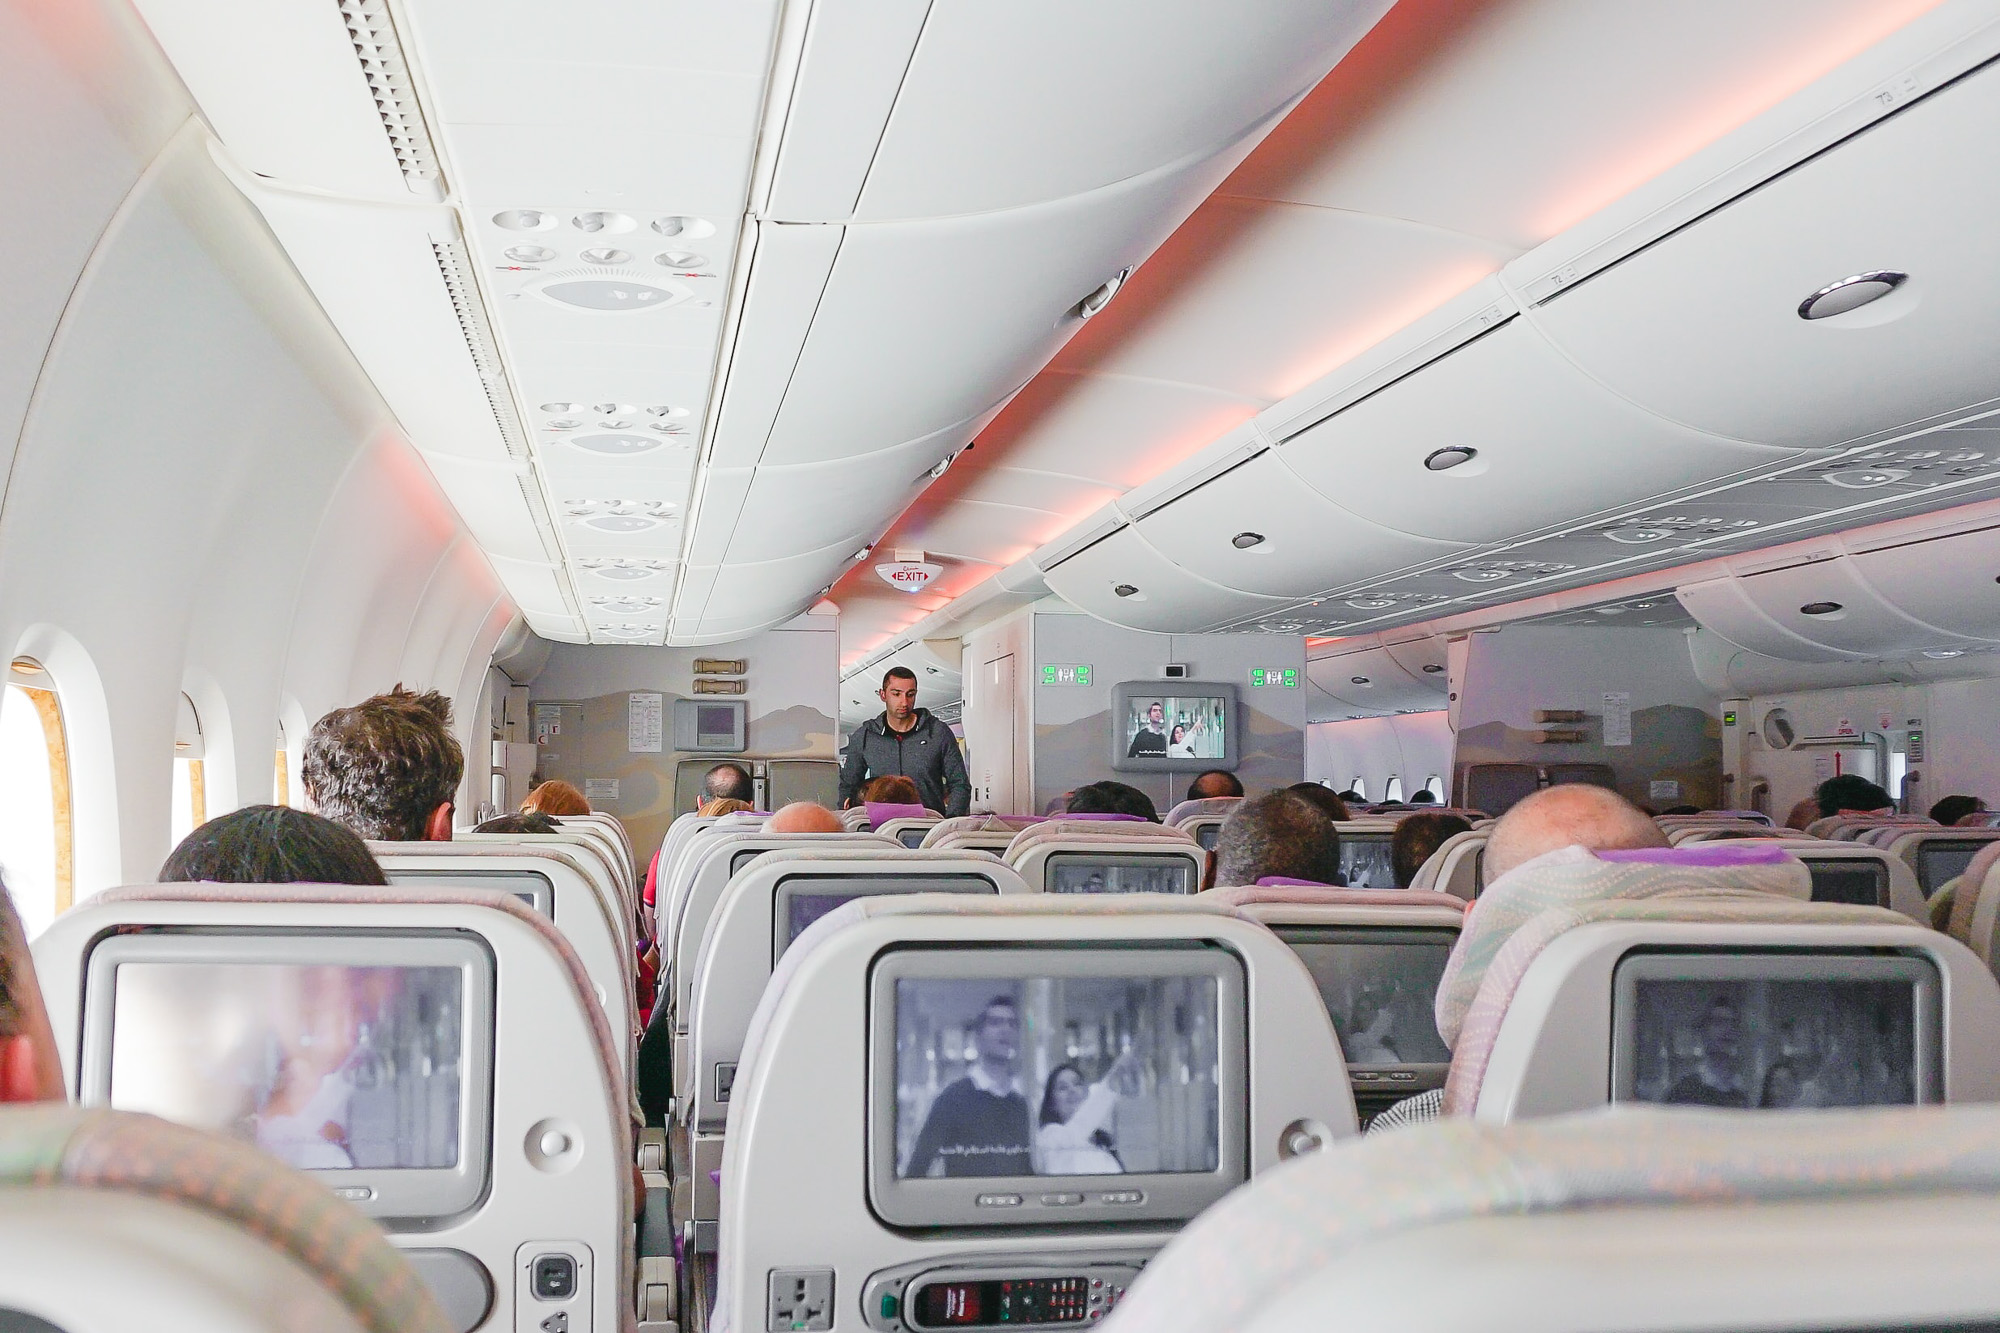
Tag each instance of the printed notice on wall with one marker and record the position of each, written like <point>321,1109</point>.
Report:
<point>1618,717</point>
<point>645,723</point>
<point>548,722</point>
<point>600,792</point>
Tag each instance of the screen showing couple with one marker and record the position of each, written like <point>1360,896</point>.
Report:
<point>1165,727</point>
<point>1056,1076</point>
<point>1381,994</point>
<point>1776,1044</point>
<point>324,1067</point>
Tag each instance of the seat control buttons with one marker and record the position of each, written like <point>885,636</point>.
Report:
<point>997,1200</point>
<point>1061,1200</point>
<point>1122,1196</point>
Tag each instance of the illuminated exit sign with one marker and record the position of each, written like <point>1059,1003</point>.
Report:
<point>1286,676</point>
<point>1059,674</point>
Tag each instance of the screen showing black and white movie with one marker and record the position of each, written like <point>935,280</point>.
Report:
<point>1084,872</point>
<point>1365,861</point>
<point>1166,726</point>
<point>1207,835</point>
<point>1858,881</point>
<point>1380,989</point>
<point>1057,1076</point>
<point>1941,861</point>
<point>1776,1044</point>
<point>325,1067</point>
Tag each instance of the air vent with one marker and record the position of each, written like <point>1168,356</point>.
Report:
<point>373,33</point>
<point>1441,460</point>
<point>1820,609</point>
<point>1433,669</point>
<point>1243,541</point>
<point>455,266</point>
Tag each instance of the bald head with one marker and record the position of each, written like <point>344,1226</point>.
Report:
<point>805,817</point>
<point>1573,814</point>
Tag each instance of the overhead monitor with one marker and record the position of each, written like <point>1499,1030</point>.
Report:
<point>1189,726</point>
<point>530,886</point>
<point>800,900</point>
<point>1941,860</point>
<point>1861,880</point>
<point>1380,986</point>
<point>1776,1030</point>
<point>1033,1087</point>
<point>714,726</point>
<point>1365,861</point>
<point>1122,872</point>
<point>365,1060</point>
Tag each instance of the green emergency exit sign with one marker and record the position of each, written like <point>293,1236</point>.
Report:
<point>1056,673</point>
<point>1286,676</point>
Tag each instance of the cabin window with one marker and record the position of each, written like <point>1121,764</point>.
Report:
<point>281,776</point>
<point>1359,787</point>
<point>190,799</point>
<point>1393,791</point>
<point>36,847</point>
<point>1434,784</point>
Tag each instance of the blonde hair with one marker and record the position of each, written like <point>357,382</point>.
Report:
<point>558,798</point>
<point>723,805</point>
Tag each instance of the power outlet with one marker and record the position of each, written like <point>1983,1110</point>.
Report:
<point>801,1300</point>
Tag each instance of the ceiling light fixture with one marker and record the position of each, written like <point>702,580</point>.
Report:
<point>692,229</point>
<point>1820,609</point>
<point>530,254</point>
<point>1851,293</point>
<point>1101,298</point>
<point>609,294</point>
<point>615,446</point>
<point>665,410</point>
<point>598,221</point>
<point>605,254</point>
<point>1243,541</point>
<point>1125,590</point>
<point>680,259</point>
<point>564,409</point>
<point>1443,460</point>
<point>525,219</point>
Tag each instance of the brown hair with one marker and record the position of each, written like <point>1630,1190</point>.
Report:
<point>382,766</point>
<point>891,789</point>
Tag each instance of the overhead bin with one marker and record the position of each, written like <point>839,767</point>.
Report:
<point>1951,583</point>
<point>1125,581</point>
<point>1545,446</point>
<point>1375,680</point>
<point>1259,529</point>
<point>1705,326</point>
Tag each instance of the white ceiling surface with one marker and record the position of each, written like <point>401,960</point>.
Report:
<point>1417,213</point>
<point>684,302</point>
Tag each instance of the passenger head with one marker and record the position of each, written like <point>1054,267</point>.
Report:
<point>271,844</point>
<point>30,1065</point>
<point>387,768</point>
<point>1111,798</point>
<point>1574,814</point>
<point>898,693</point>
<point>1207,786</point>
<point>805,817</point>
<point>528,821</point>
<point>1278,834</point>
<point>723,805</point>
<point>728,782</point>
<point>1352,797</point>
<point>1321,798</point>
<point>1417,838</point>
<point>1954,808</point>
<point>555,797</point>
<point>891,789</point>
<point>1423,796</point>
<point>1804,813</point>
<point>1682,810</point>
<point>1852,794</point>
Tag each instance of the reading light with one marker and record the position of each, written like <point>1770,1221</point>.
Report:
<point>1442,460</point>
<point>1819,608</point>
<point>680,259</point>
<point>1243,541</point>
<point>679,225</point>
<point>665,410</point>
<point>564,409</point>
<point>530,254</point>
<point>594,222</point>
<point>1125,590</point>
<point>1101,298</point>
<point>524,219</point>
<point>605,254</point>
<point>1851,293</point>
<point>563,423</point>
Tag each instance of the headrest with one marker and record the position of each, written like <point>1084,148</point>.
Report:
<point>46,1144</point>
<point>1571,875</point>
<point>1202,805</point>
<point>881,812</point>
<point>1276,1232</point>
<point>944,828</point>
<point>1302,894</point>
<point>1105,815</point>
<point>1472,1042</point>
<point>1979,867</point>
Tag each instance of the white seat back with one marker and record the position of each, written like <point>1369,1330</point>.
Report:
<point>910,830</point>
<point>1454,868</point>
<point>1939,854</point>
<point>800,1120</point>
<point>552,1176</point>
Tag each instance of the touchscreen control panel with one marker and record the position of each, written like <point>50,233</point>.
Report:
<point>1018,1295</point>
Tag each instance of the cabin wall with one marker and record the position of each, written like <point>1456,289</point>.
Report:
<point>1947,734</point>
<point>584,692</point>
<point>1066,730</point>
<point>1410,746</point>
<point>1676,733</point>
<point>199,490</point>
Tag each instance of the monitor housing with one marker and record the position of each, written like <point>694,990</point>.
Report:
<point>1900,969</point>
<point>818,894</point>
<point>1121,872</point>
<point>1373,1079</point>
<point>1940,860</point>
<point>1365,860</point>
<point>1860,880</point>
<point>1211,699</point>
<point>530,886</point>
<point>968,1202</point>
<point>708,725</point>
<point>414,1197</point>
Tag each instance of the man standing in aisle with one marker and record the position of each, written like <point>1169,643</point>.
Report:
<point>907,740</point>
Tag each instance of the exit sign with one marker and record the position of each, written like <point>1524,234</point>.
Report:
<point>1285,676</point>
<point>1058,674</point>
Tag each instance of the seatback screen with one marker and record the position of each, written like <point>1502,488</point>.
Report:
<point>1775,1031</point>
<point>1944,860</point>
<point>1864,882</point>
<point>1136,872</point>
<point>803,899</point>
<point>531,887</point>
<point>1365,862</point>
<point>1380,988</point>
